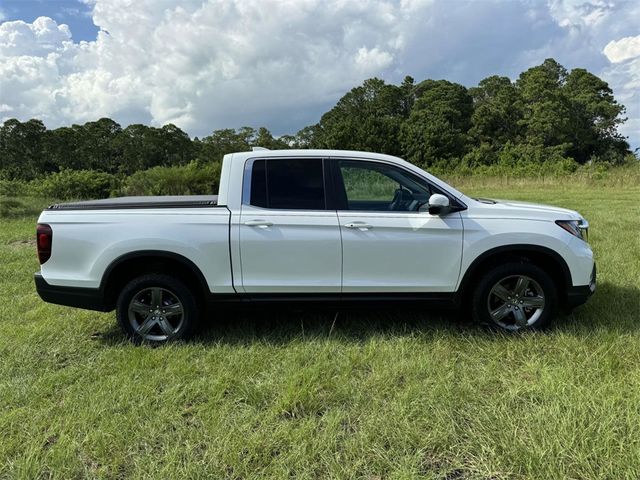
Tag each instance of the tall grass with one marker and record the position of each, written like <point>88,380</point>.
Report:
<point>365,394</point>
<point>585,176</point>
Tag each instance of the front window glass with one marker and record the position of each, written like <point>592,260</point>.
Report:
<point>380,187</point>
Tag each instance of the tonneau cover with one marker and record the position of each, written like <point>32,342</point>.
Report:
<point>182,201</point>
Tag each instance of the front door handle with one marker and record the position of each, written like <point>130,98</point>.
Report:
<point>258,223</point>
<point>359,225</point>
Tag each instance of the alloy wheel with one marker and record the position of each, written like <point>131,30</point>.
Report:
<point>155,314</point>
<point>515,302</point>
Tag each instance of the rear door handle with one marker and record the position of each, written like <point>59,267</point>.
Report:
<point>359,225</point>
<point>258,223</point>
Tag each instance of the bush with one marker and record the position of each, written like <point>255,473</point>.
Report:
<point>484,154</point>
<point>195,178</point>
<point>23,207</point>
<point>13,188</point>
<point>10,207</point>
<point>75,184</point>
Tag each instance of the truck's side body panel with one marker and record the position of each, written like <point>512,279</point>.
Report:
<point>487,227</point>
<point>86,242</point>
<point>413,252</point>
<point>300,251</point>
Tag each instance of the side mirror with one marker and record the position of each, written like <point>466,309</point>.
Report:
<point>439,204</point>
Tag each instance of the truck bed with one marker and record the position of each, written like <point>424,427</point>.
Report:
<point>118,203</point>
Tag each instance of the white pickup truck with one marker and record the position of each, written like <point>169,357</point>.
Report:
<point>313,226</point>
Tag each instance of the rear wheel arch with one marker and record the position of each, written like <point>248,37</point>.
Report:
<point>134,264</point>
<point>545,258</point>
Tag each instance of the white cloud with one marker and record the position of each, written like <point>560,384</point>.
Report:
<point>372,60</point>
<point>199,64</point>
<point>624,77</point>
<point>206,64</point>
<point>581,13</point>
<point>33,39</point>
<point>624,49</point>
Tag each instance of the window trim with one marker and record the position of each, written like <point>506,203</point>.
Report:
<point>328,185</point>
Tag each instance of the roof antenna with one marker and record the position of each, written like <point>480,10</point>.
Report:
<point>258,149</point>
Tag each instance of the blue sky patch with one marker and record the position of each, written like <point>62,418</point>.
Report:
<point>74,13</point>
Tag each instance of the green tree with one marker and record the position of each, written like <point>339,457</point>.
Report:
<point>436,130</point>
<point>62,149</point>
<point>228,140</point>
<point>265,139</point>
<point>98,145</point>
<point>594,117</point>
<point>367,118</point>
<point>22,148</point>
<point>497,112</point>
<point>546,110</point>
<point>177,147</point>
<point>306,137</point>
<point>144,147</point>
<point>213,147</point>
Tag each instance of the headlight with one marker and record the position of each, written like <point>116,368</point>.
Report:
<point>577,228</point>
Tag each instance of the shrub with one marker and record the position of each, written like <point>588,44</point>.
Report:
<point>10,207</point>
<point>195,178</point>
<point>484,154</point>
<point>75,184</point>
<point>13,188</point>
<point>14,207</point>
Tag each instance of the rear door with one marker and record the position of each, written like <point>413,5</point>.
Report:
<point>289,240</point>
<point>388,245</point>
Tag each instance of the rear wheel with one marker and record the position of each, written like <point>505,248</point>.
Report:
<point>157,308</point>
<point>515,296</point>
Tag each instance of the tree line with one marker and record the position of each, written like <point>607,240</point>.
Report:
<point>547,114</point>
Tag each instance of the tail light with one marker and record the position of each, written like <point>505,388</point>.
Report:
<point>44,238</point>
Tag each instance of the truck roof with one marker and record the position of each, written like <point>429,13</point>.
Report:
<point>263,153</point>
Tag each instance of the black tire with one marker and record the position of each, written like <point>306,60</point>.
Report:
<point>485,299</point>
<point>164,322</point>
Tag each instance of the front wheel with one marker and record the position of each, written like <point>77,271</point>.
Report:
<point>515,296</point>
<point>156,308</point>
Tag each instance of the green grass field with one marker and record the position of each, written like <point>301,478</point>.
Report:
<point>372,395</point>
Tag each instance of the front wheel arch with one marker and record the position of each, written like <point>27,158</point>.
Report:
<point>545,258</point>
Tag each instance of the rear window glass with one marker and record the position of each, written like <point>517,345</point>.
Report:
<point>288,184</point>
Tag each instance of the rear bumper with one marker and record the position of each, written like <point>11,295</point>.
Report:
<point>578,295</point>
<point>87,298</point>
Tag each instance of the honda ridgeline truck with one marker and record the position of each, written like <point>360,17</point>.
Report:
<point>301,226</point>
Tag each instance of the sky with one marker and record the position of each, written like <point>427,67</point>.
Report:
<point>210,64</point>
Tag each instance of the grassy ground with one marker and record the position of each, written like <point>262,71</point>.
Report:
<point>373,395</point>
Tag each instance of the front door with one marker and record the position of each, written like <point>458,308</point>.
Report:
<point>289,241</point>
<point>388,245</point>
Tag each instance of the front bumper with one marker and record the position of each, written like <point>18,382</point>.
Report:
<point>578,295</point>
<point>87,298</point>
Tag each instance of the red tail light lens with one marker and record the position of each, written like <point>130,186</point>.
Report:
<point>44,239</point>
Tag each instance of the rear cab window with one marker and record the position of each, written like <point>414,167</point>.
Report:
<point>288,184</point>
